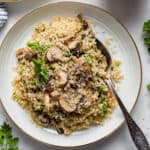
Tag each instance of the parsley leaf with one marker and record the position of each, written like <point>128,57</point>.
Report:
<point>100,88</point>
<point>148,87</point>
<point>89,58</point>
<point>98,74</point>
<point>36,46</point>
<point>146,29</point>
<point>68,53</point>
<point>7,141</point>
<point>103,100</point>
<point>147,41</point>
<point>146,26</point>
<point>40,71</point>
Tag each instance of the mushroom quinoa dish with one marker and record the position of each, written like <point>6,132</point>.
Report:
<point>60,76</point>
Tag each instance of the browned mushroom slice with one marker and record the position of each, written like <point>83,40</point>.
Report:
<point>74,44</point>
<point>55,94</point>
<point>54,54</point>
<point>44,120</point>
<point>25,53</point>
<point>63,77</point>
<point>46,99</point>
<point>66,103</point>
<point>66,38</point>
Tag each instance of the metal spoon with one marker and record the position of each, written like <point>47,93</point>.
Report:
<point>137,135</point>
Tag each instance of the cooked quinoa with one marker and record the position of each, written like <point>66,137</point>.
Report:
<point>60,76</point>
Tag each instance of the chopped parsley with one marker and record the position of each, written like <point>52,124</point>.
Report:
<point>104,108</point>
<point>100,88</point>
<point>33,84</point>
<point>89,58</point>
<point>118,63</point>
<point>36,46</point>
<point>40,71</point>
<point>105,111</point>
<point>39,106</point>
<point>68,53</point>
<point>98,74</point>
<point>103,100</point>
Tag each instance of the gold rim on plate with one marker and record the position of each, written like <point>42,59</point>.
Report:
<point>119,22</point>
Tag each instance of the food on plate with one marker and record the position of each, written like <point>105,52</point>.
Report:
<point>60,76</point>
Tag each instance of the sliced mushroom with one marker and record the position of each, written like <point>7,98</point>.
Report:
<point>47,88</point>
<point>74,44</point>
<point>54,54</point>
<point>55,94</point>
<point>46,99</point>
<point>63,77</point>
<point>66,38</point>
<point>66,103</point>
<point>25,53</point>
<point>44,120</point>
<point>85,102</point>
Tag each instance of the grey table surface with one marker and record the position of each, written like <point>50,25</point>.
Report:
<point>132,13</point>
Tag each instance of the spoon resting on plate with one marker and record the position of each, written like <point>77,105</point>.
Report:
<point>136,133</point>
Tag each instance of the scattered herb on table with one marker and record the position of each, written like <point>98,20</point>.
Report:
<point>146,30</point>
<point>148,87</point>
<point>7,141</point>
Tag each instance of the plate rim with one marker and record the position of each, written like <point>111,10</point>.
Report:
<point>131,38</point>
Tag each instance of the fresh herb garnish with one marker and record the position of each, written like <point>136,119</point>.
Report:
<point>39,106</point>
<point>89,58</point>
<point>36,46</point>
<point>104,108</point>
<point>40,71</point>
<point>98,74</point>
<point>33,84</point>
<point>14,95</point>
<point>7,141</point>
<point>118,63</point>
<point>103,100</point>
<point>112,68</point>
<point>94,47</point>
<point>68,53</point>
<point>100,88</point>
<point>148,87</point>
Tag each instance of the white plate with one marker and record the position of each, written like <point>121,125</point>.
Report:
<point>127,52</point>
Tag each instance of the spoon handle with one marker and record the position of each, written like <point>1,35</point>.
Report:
<point>135,132</point>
